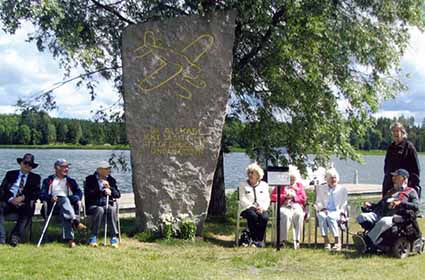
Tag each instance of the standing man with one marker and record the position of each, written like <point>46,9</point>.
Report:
<point>401,154</point>
<point>18,193</point>
<point>98,186</point>
<point>64,190</point>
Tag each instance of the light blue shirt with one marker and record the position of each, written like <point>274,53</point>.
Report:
<point>331,203</point>
<point>15,187</point>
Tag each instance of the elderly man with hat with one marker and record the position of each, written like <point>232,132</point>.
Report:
<point>64,190</point>
<point>18,193</point>
<point>379,216</point>
<point>97,187</point>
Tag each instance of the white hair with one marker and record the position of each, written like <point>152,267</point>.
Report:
<point>332,173</point>
<point>255,167</point>
<point>293,171</point>
<point>399,126</point>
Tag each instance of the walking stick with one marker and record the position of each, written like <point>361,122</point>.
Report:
<point>118,220</point>
<point>46,225</point>
<point>106,218</point>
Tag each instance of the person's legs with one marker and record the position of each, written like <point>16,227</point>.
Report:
<point>332,221</point>
<point>285,222</point>
<point>262,225</point>
<point>367,220</point>
<point>68,215</point>
<point>321,217</point>
<point>24,214</point>
<point>252,218</point>
<point>113,220</point>
<point>382,225</point>
<point>96,213</point>
<point>2,229</point>
<point>298,220</point>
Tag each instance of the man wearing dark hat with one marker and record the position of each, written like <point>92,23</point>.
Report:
<point>98,186</point>
<point>18,193</point>
<point>64,190</point>
<point>380,217</point>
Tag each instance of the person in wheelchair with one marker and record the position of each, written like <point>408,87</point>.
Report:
<point>65,192</point>
<point>400,201</point>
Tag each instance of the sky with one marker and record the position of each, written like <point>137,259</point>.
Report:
<point>24,72</point>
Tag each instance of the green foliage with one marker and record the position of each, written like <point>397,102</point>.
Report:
<point>187,230</point>
<point>146,236</point>
<point>37,128</point>
<point>167,231</point>
<point>294,62</point>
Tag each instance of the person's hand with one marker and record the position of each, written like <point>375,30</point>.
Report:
<point>367,204</point>
<point>259,210</point>
<point>107,191</point>
<point>395,203</point>
<point>106,184</point>
<point>54,199</point>
<point>16,201</point>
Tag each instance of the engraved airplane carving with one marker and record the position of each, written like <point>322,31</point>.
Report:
<point>177,66</point>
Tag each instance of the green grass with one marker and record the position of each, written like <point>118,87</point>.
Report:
<point>68,146</point>
<point>212,257</point>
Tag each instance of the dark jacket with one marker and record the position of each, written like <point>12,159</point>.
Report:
<point>92,194</point>
<point>31,188</point>
<point>402,155</point>
<point>74,191</point>
<point>409,201</point>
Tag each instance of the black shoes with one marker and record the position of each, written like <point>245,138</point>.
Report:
<point>14,240</point>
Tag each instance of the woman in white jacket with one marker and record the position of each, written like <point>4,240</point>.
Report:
<point>254,200</point>
<point>331,202</point>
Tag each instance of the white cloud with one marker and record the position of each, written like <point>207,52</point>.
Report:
<point>24,72</point>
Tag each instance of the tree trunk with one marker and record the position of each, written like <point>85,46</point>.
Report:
<point>217,206</point>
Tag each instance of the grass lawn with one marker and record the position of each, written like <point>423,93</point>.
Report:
<point>213,257</point>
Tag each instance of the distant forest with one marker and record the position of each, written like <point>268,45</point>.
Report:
<point>240,135</point>
<point>38,128</point>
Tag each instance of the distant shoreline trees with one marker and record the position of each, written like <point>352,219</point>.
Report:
<point>38,128</point>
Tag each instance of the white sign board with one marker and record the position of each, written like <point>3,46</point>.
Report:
<point>275,178</point>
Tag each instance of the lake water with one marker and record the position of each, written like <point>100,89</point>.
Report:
<point>84,163</point>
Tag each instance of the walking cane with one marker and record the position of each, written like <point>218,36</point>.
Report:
<point>118,219</point>
<point>106,217</point>
<point>46,225</point>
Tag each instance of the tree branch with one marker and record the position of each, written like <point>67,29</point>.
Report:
<point>278,16</point>
<point>113,11</point>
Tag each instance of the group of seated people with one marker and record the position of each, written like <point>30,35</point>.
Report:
<point>331,205</point>
<point>20,189</point>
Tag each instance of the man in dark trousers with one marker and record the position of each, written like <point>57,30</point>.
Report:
<point>98,186</point>
<point>18,193</point>
<point>401,154</point>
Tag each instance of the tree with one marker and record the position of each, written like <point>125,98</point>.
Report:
<point>51,134</point>
<point>24,134</point>
<point>62,131</point>
<point>74,133</point>
<point>294,61</point>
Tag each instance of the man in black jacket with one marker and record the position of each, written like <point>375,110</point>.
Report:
<point>18,193</point>
<point>97,187</point>
<point>380,217</point>
<point>400,154</point>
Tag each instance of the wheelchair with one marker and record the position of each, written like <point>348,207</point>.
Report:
<point>404,238</point>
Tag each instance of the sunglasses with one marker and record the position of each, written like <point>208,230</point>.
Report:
<point>26,162</point>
